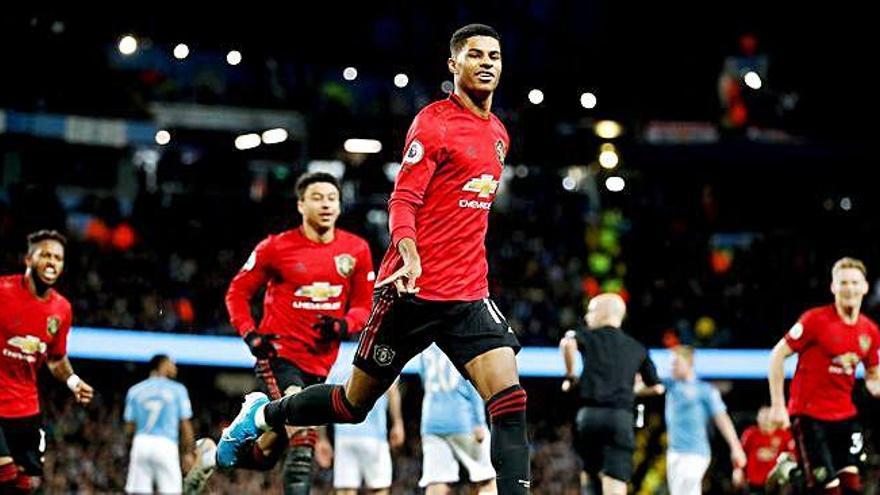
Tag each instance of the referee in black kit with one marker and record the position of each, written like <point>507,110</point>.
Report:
<point>604,438</point>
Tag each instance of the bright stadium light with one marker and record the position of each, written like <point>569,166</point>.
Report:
<point>615,183</point>
<point>274,136</point>
<point>752,80</point>
<point>588,100</point>
<point>350,74</point>
<point>247,141</point>
<point>401,80</point>
<point>233,57</point>
<point>362,145</point>
<point>128,45</point>
<point>846,204</point>
<point>608,157</point>
<point>447,87</point>
<point>163,137</point>
<point>536,96</point>
<point>568,183</point>
<point>607,129</point>
<point>181,51</point>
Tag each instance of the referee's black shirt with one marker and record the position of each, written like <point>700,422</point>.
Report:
<point>611,360</point>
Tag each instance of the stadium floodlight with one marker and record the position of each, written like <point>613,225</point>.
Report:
<point>752,80</point>
<point>163,137</point>
<point>401,80</point>
<point>615,183</point>
<point>447,87</point>
<point>181,51</point>
<point>247,141</point>
<point>356,145</point>
<point>274,136</point>
<point>536,96</point>
<point>608,157</point>
<point>349,74</point>
<point>568,183</point>
<point>845,204</point>
<point>588,100</point>
<point>128,44</point>
<point>233,57</point>
<point>607,129</point>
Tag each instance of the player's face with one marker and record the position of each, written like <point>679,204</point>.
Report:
<point>477,66</point>
<point>170,369</point>
<point>46,261</point>
<point>681,367</point>
<point>319,205</point>
<point>849,287</point>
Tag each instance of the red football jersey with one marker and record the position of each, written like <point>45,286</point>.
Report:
<point>304,279</point>
<point>829,350</point>
<point>450,173</point>
<point>762,449</point>
<point>32,329</point>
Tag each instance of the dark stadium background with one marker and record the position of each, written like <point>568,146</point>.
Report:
<point>719,241</point>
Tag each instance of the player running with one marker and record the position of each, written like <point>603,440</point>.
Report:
<point>34,323</point>
<point>830,342</point>
<point>434,285</point>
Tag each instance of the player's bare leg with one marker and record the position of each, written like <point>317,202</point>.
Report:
<point>612,486</point>
<point>496,378</point>
<point>487,487</point>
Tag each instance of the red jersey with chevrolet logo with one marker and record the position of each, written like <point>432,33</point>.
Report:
<point>829,351</point>
<point>304,279</point>
<point>31,329</point>
<point>449,176</point>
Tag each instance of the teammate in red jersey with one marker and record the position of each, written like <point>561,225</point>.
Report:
<point>830,342</point>
<point>34,323</point>
<point>318,281</point>
<point>763,443</point>
<point>434,276</point>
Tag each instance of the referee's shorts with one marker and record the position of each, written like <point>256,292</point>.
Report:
<point>605,441</point>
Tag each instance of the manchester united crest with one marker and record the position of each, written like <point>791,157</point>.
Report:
<point>864,343</point>
<point>499,150</point>
<point>344,264</point>
<point>52,325</point>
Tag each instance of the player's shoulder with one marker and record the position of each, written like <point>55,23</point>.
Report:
<point>868,323</point>
<point>818,313</point>
<point>9,283</point>
<point>62,302</point>
<point>351,238</point>
<point>437,110</point>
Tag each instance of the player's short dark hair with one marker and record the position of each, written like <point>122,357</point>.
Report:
<point>157,361</point>
<point>460,36</point>
<point>39,236</point>
<point>309,178</point>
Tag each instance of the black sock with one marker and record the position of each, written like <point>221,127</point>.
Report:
<point>510,449</point>
<point>314,406</point>
<point>297,469</point>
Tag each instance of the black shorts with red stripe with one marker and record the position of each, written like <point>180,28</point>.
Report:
<point>401,326</point>
<point>826,447</point>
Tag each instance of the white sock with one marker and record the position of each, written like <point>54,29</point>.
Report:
<point>260,418</point>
